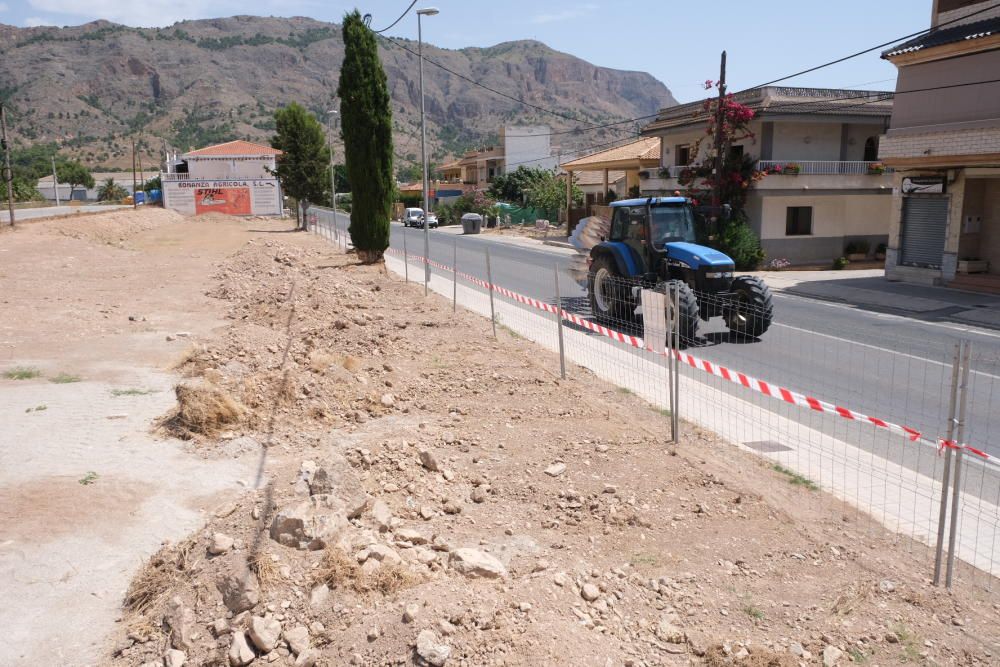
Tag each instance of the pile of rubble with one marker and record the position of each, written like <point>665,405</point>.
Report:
<point>431,496</point>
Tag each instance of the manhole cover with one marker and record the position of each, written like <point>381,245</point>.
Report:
<point>767,446</point>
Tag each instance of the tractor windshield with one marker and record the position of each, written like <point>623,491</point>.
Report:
<point>671,223</point>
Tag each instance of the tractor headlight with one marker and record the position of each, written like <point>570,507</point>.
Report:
<point>719,274</point>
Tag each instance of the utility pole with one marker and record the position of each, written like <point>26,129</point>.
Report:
<point>8,175</point>
<point>142,175</point>
<point>719,119</point>
<point>333,171</point>
<point>429,11</point>
<point>55,180</point>
<point>135,204</point>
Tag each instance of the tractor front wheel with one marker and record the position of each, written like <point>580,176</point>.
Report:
<point>751,311</point>
<point>607,291</point>
<point>686,313</point>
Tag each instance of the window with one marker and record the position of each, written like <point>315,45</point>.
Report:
<point>683,155</point>
<point>799,221</point>
<point>871,149</point>
<point>636,230</point>
<point>619,223</point>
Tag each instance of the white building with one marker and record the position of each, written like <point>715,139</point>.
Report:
<point>826,187</point>
<point>520,145</point>
<point>236,178</point>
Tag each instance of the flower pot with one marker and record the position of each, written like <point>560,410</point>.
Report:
<point>857,257</point>
<point>973,266</point>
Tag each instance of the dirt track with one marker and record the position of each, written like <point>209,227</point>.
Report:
<point>606,548</point>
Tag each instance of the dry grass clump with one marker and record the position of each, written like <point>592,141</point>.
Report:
<point>202,409</point>
<point>157,578</point>
<point>339,570</point>
<point>716,657</point>
<point>263,567</point>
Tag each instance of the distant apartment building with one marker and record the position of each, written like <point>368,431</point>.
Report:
<point>944,144</point>
<point>236,178</point>
<point>827,187</point>
<point>519,145</point>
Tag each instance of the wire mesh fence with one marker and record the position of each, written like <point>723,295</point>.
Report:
<point>871,422</point>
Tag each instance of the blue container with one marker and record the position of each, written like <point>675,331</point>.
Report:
<point>140,197</point>
<point>155,196</point>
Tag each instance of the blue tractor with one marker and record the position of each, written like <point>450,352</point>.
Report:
<point>652,244</point>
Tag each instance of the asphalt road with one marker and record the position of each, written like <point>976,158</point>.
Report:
<point>888,366</point>
<point>53,211</point>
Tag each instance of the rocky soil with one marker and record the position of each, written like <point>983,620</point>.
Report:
<point>431,496</point>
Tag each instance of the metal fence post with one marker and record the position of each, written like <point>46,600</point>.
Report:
<point>946,477</point>
<point>406,260</point>
<point>559,323</point>
<point>454,277</point>
<point>675,334</point>
<point>670,360</point>
<point>489,282</point>
<point>956,488</point>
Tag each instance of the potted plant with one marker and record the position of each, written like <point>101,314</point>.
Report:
<point>876,168</point>
<point>840,263</point>
<point>857,251</point>
<point>880,251</point>
<point>792,169</point>
<point>973,265</point>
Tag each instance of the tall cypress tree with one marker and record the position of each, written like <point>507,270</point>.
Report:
<point>366,119</point>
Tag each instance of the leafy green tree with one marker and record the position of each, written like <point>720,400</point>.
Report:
<point>304,167</point>
<point>152,184</point>
<point>548,194</point>
<point>74,173</point>
<point>366,119</point>
<point>111,191</point>
<point>512,187</point>
<point>23,191</point>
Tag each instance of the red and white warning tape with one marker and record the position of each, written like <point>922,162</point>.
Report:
<point>746,381</point>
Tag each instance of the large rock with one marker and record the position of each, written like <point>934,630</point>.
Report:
<point>431,650</point>
<point>174,658</point>
<point>307,658</point>
<point>265,633</point>
<point>310,524</point>
<point>429,460</point>
<point>475,563</point>
<point>240,653</point>
<point>297,638</point>
<point>382,515</point>
<point>181,621</point>
<point>239,589</point>
<point>221,543</point>
<point>831,654</point>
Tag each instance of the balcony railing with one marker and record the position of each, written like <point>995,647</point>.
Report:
<point>175,177</point>
<point>824,167</point>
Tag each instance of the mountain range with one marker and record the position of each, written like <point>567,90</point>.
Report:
<point>93,88</point>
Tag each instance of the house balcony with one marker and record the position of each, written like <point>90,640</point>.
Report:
<point>824,167</point>
<point>175,176</point>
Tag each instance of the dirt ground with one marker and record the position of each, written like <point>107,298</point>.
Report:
<point>423,494</point>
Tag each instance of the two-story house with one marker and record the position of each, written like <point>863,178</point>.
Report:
<point>526,145</point>
<point>236,178</point>
<point>944,144</point>
<point>826,188</point>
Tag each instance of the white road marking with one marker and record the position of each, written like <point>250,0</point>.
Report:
<point>880,349</point>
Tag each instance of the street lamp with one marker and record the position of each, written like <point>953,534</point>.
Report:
<point>332,114</point>
<point>428,11</point>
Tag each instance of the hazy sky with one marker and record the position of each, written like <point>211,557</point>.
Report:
<point>677,42</point>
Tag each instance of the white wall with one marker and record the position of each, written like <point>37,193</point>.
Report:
<point>230,168</point>
<point>833,215</point>
<point>790,141</point>
<point>529,146</point>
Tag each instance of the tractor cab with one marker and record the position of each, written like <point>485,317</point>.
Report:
<point>653,242</point>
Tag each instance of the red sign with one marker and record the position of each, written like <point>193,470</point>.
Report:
<point>231,201</point>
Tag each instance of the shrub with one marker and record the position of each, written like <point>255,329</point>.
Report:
<point>860,247</point>
<point>742,245</point>
<point>841,263</point>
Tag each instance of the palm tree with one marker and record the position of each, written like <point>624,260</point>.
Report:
<point>111,191</point>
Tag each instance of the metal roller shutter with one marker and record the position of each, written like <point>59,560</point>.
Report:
<point>925,220</point>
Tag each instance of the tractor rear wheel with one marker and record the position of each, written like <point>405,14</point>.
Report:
<point>686,313</point>
<point>608,292</point>
<point>751,311</point>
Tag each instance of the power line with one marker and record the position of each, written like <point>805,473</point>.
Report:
<point>485,87</point>
<point>875,48</point>
<point>367,19</point>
